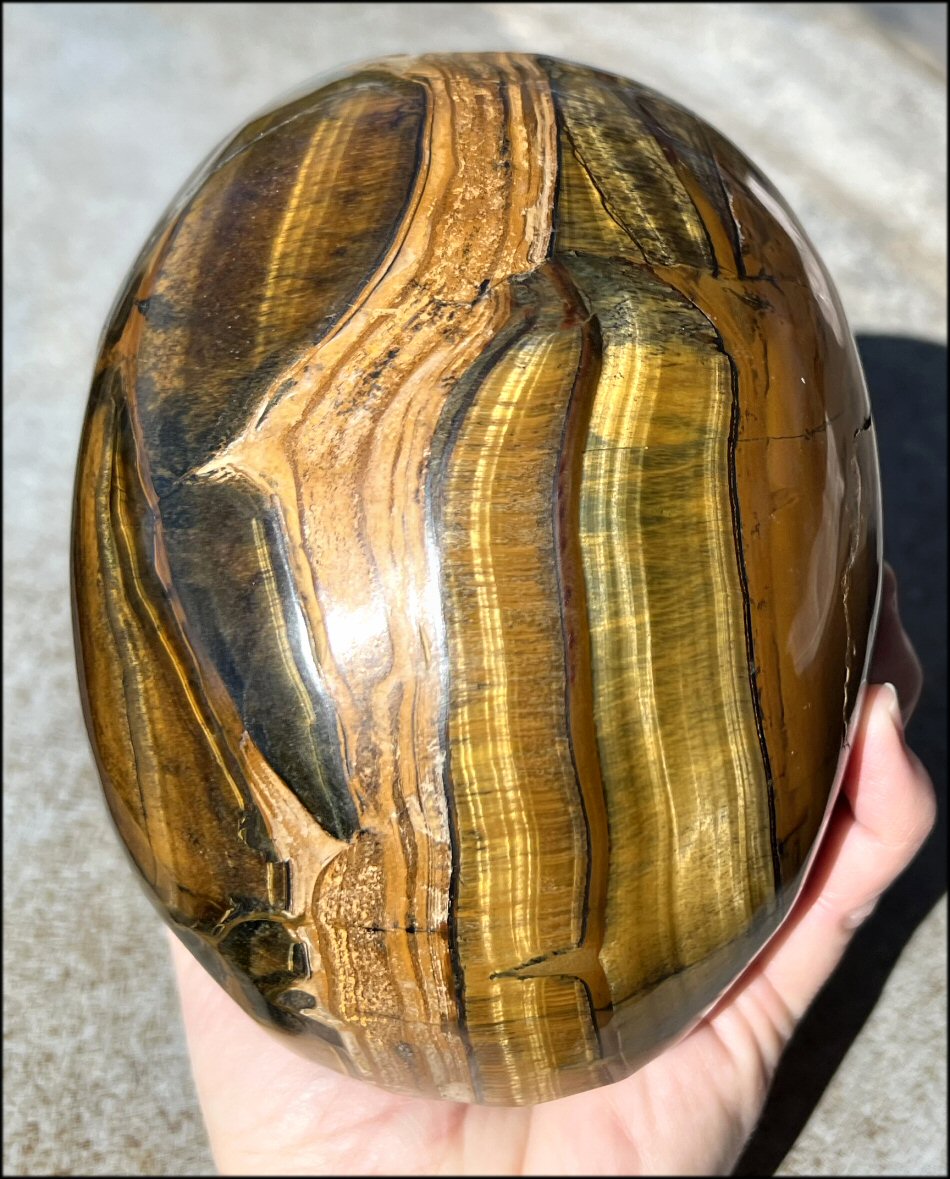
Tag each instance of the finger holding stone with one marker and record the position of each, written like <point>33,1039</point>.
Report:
<point>884,812</point>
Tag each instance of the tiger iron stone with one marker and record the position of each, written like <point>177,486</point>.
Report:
<point>476,555</point>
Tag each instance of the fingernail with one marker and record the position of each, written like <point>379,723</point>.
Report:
<point>859,916</point>
<point>894,708</point>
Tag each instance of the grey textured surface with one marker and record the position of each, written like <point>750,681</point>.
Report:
<point>107,109</point>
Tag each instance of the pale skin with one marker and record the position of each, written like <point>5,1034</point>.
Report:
<point>689,1111</point>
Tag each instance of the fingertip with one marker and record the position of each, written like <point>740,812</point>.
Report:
<point>894,657</point>
<point>889,789</point>
<point>888,586</point>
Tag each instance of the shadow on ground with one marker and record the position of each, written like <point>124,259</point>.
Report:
<point>907,379</point>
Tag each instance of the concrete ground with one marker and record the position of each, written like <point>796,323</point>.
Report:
<point>107,109</point>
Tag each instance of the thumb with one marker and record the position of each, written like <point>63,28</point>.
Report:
<point>883,814</point>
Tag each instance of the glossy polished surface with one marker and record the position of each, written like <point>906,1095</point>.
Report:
<point>476,552</point>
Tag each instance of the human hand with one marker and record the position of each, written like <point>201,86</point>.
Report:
<point>689,1111</point>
